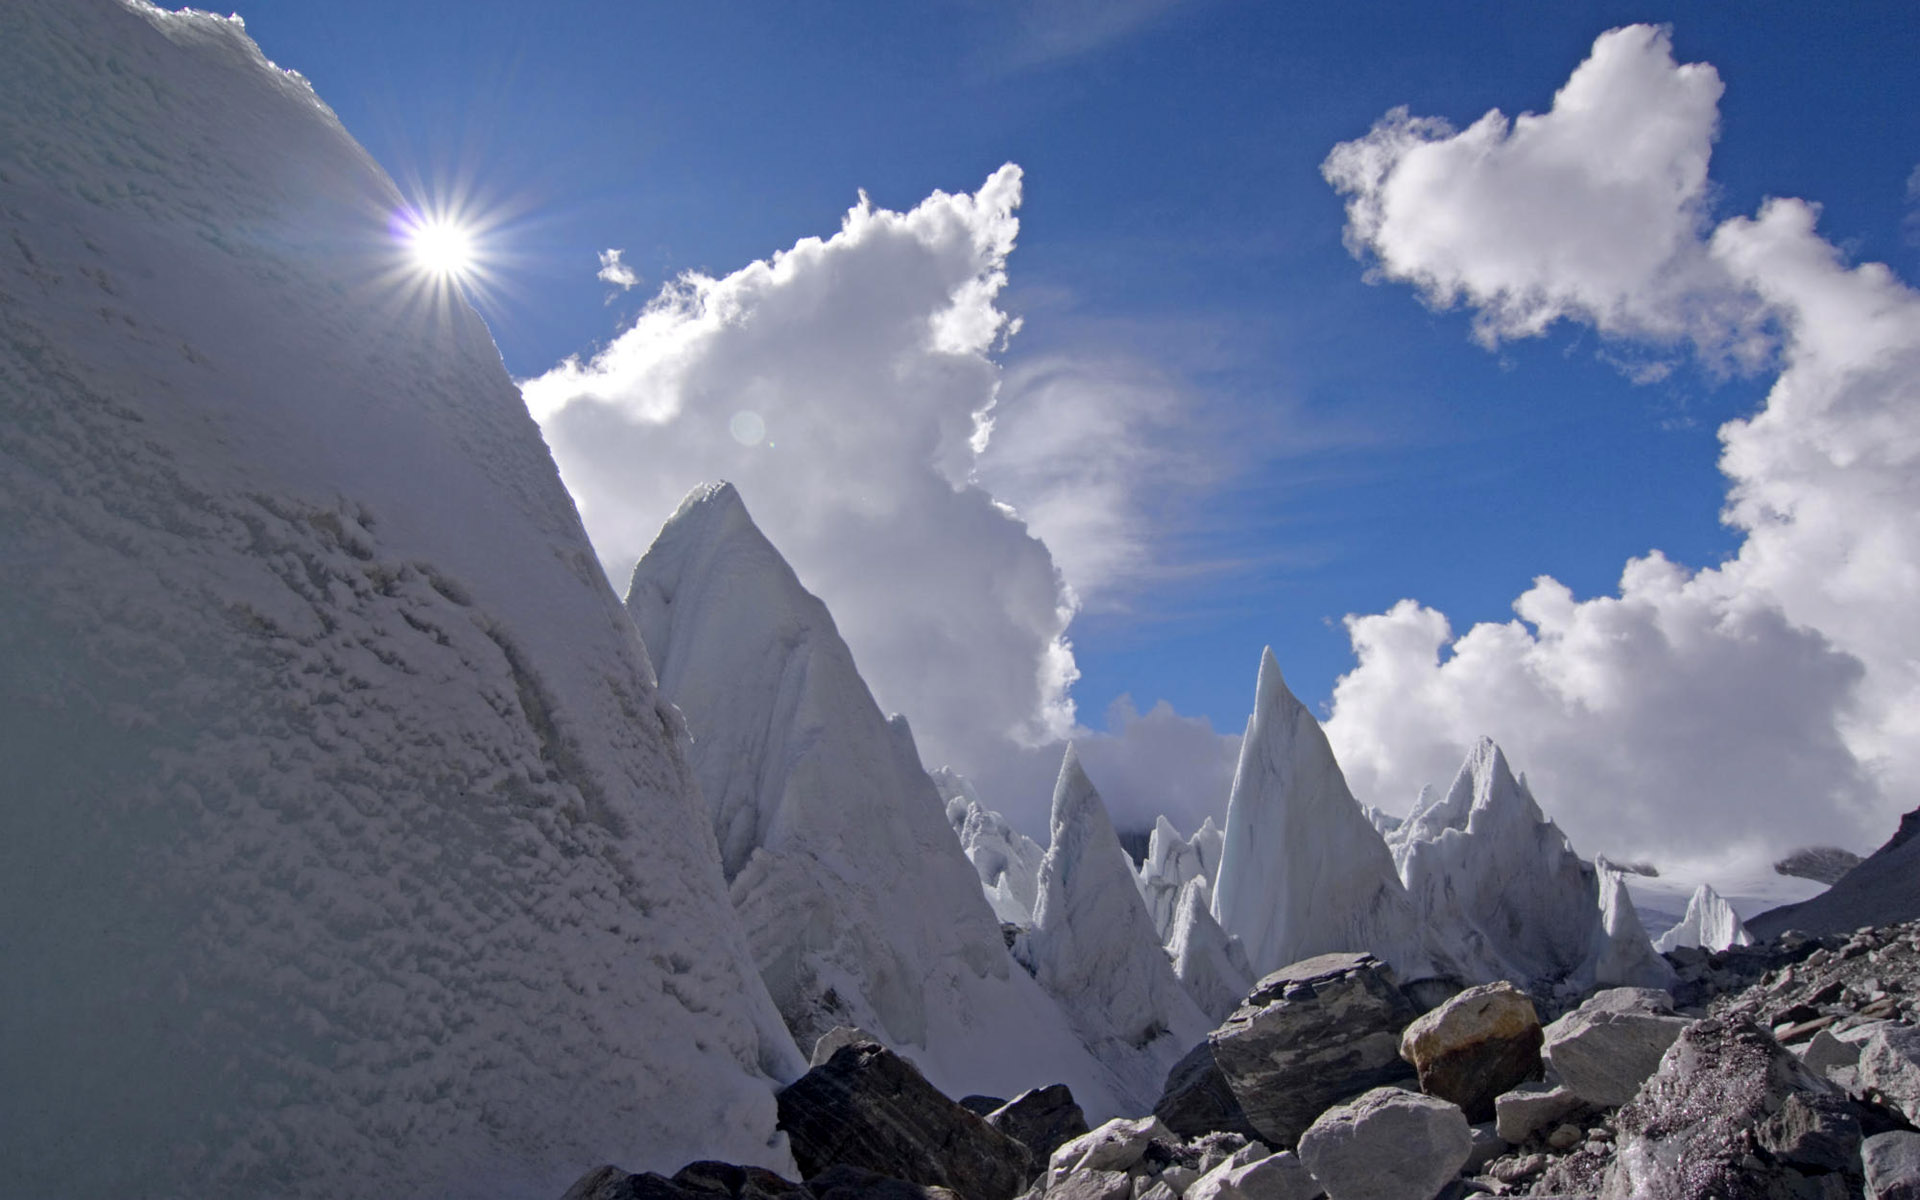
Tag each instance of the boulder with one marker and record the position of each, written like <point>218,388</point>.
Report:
<point>1892,1164</point>
<point>1732,1113</point>
<point>840,1035</point>
<point>1091,1185</point>
<point>867,1107</point>
<point>1605,1049</point>
<point>1890,1066</point>
<point>611,1183</point>
<point>1475,1046</point>
<point>844,1182</point>
<point>1263,1177</point>
<point>1197,1100</point>
<point>1311,1034</point>
<point>1531,1107</point>
<point>1387,1145</point>
<point>1043,1119</point>
<point>725,1181</point>
<point>1115,1146</point>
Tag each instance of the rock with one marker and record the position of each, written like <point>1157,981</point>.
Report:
<point>1531,1107</point>
<point>1158,1189</point>
<point>611,1183</point>
<point>1475,1046</point>
<point>1890,1065</point>
<point>1092,1185</point>
<point>838,1036</point>
<point>867,1107</point>
<point>1218,1149</point>
<point>1387,1145</point>
<point>1732,1113</point>
<point>1311,1034</point>
<point>1180,1178</point>
<point>1266,1177</point>
<point>1565,1138</point>
<point>1197,1100</point>
<point>725,1181</point>
<point>1115,1146</point>
<point>1892,1163</point>
<point>1487,1146</point>
<point>1605,1049</point>
<point>982,1106</point>
<point>845,1182</point>
<point>1043,1119</point>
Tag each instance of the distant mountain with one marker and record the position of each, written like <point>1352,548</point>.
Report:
<point>1882,890</point>
<point>1822,864</point>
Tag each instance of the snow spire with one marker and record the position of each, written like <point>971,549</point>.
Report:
<point>1303,871</point>
<point>1710,923</point>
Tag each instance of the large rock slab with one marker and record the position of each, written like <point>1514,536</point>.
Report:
<point>1731,1114</point>
<point>1473,1047</point>
<point>1310,1035</point>
<point>1197,1099</point>
<point>1605,1049</point>
<point>1892,1164</point>
<point>867,1107</point>
<point>1043,1119</point>
<point>1092,1185</point>
<point>1387,1145</point>
<point>1531,1107</point>
<point>1279,1176</point>
<point>1890,1066</point>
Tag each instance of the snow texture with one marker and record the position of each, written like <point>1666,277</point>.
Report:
<point>1303,871</point>
<point>1212,964</point>
<point>1007,860</point>
<point>1484,863</point>
<point>1093,947</point>
<point>1171,863</point>
<point>347,848</point>
<point>1710,923</point>
<point>859,905</point>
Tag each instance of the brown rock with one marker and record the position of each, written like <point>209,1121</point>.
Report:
<point>1482,1042</point>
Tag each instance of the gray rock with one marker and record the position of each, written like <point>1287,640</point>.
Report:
<point>1266,1177</point>
<point>1197,1100</point>
<point>1043,1119</point>
<point>1892,1164</point>
<point>867,1107</point>
<point>1890,1066</point>
<point>980,1106</point>
<point>1475,1046</point>
<point>611,1183</point>
<point>1387,1145</point>
<point>1605,1049</point>
<point>1309,1035</point>
<point>1091,1185</point>
<point>1487,1146</point>
<point>725,1181</point>
<point>838,1036</point>
<point>1531,1107</point>
<point>1158,1189</point>
<point>1732,1114</point>
<point>1115,1146</point>
<point>852,1183</point>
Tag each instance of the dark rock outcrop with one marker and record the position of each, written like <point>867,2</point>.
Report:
<point>1475,1046</point>
<point>1882,890</point>
<point>1043,1119</point>
<point>1197,1099</point>
<point>1310,1035</point>
<point>1822,864</point>
<point>1731,1115</point>
<point>869,1108</point>
<point>695,1181</point>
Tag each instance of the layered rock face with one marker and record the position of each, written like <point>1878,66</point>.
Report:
<point>347,849</point>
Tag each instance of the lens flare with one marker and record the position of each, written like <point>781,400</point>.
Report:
<point>441,248</point>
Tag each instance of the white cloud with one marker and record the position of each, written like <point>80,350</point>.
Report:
<point>1725,713</point>
<point>615,272</point>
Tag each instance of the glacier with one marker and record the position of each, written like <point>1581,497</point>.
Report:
<point>1710,923</point>
<point>349,848</point>
<point>1093,946</point>
<point>859,904</point>
<point>1007,860</point>
<point>1172,862</point>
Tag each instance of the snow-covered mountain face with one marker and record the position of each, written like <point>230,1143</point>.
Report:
<point>1303,871</point>
<point>858,902</point>
<point>1093,946</point>
<point>1482,860</point>
<point>347,850</point>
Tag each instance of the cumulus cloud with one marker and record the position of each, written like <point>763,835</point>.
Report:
<point>848,387</point>
<point>615,272</point>
<point>1711,715</point>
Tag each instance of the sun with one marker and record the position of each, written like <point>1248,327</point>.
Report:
<point>441,248</point>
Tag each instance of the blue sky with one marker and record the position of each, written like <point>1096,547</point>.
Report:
<point>1356,447</point>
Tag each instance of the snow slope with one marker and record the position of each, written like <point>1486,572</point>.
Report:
<point>1710,923</point>
<point>859,905</point>
<point>347,850</point>
<point>1093,947</point>
<point>1481,860</point>
<point>1303,870</point>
